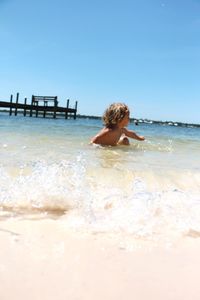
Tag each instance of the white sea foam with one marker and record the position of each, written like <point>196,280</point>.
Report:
<point>150,190</point>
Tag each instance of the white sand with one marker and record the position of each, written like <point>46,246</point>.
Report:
<point>43,260</point>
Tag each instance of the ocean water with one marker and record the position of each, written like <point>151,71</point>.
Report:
<point>149,190</point>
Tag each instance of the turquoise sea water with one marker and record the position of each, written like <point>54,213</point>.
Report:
<point>149,190</point>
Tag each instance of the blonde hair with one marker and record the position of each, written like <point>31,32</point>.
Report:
<point>114,114</point>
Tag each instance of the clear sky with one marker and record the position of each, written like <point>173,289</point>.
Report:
<point>145,53</point>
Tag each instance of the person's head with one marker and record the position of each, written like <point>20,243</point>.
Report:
<point>115,113</point>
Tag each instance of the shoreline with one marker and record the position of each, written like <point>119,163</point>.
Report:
<point>137,121</point>
<point>146,121</point>
<point>42,259</point>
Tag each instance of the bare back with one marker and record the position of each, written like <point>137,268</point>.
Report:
<point>108,136</point>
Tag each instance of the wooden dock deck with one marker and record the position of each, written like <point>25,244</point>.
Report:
<point>40,106</point>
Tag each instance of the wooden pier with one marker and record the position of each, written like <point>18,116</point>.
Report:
<point>40,106</point>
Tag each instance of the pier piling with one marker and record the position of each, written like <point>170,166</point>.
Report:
<point>66,113</point>
<point>11,100</point>
<point>25,102</point>
<point>16,106</point>
<point>76,104</point>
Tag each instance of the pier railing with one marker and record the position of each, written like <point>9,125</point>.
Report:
<point>40,105</point>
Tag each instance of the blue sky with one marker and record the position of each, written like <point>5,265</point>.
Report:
<point>144,53</point>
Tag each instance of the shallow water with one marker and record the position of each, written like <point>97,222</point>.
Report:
<point>150,190</point>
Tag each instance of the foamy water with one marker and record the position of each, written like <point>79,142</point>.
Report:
<point>150,190</point>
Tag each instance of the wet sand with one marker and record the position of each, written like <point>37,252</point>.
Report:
<point>41,259</point>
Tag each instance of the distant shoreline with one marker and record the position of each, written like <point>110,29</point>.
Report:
<point>146,121</point>
<point>134,120</point>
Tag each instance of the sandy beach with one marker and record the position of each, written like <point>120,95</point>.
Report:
<point>41,259</point>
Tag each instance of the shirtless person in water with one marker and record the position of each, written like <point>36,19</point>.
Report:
<point>116,118</point>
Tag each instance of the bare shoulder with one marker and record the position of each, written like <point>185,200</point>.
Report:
<point>101,134</point>
<point>107,136</point>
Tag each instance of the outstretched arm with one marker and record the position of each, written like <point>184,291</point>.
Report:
<point>133,135</point>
